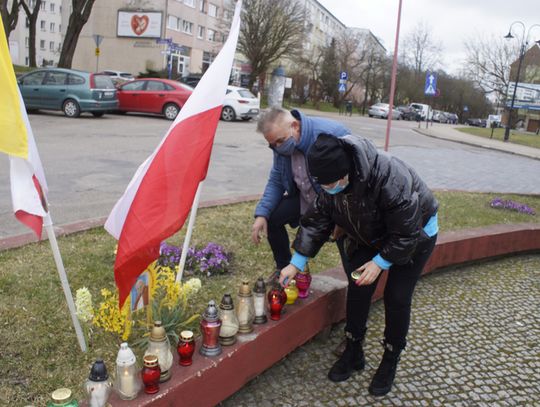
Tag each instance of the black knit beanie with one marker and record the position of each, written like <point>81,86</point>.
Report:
<point>327,160</point>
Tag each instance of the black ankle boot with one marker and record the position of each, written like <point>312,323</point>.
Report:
<point>384,377</point>
<point>351,359</point>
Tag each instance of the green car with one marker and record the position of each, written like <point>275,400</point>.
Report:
<point>68,90</point>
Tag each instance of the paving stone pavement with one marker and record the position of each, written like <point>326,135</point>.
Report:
<point>474,341</point>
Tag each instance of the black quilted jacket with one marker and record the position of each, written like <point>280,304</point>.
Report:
<point>384,207</point>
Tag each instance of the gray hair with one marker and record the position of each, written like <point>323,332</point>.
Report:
<point>270,118</point>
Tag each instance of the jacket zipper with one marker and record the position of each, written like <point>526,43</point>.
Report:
<point>346,204</point>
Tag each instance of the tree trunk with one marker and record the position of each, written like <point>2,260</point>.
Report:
<point>9,18</point>
<point>32,16</point>
<point>78,18</point>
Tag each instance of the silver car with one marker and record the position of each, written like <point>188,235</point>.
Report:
<point>381,110</point>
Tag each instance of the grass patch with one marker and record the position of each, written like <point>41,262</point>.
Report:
<point>39,349</point>
<point>525,139</point>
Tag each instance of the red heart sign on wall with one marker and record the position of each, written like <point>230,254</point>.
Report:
<point>139,24</point>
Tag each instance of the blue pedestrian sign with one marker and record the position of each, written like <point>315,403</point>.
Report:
<point>430,87</point>
<point>343,76</point>
<point>465,108</point>
<point>342,88</point>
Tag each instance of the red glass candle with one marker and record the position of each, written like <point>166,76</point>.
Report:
<point>276,300</point>
<point>303,281</point>
<point>186,347</point>
<point>210,326</point>
<point>151,374</point>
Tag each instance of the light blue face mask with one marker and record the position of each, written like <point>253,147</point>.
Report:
<point>336,190</point>
<point>286,148</point>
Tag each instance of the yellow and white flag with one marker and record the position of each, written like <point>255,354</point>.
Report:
<point>28,185</point>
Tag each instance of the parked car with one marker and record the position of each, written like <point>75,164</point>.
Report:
<point>407,112</point>
<point>68,90</point>
<point>440,117</point>
<point>239,103</point>
<point>381,110</point>
<point>118,77</point>
<point>426,112</point>
<point>153,95</point>
<point>453,118</point>
<point>191,80</point>
<point>476,122</point>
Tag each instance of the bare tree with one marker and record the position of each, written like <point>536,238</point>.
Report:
<point>80,14</point>
<point>270,30</point>
<point>311,63</point>
<point>31,15</point>
<point>488,64</point>
<point>421,51</point>
<point>10,15</point>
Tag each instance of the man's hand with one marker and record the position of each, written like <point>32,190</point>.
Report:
<point>369,273</point>
<point>287,274</point>
<point>259,229</point>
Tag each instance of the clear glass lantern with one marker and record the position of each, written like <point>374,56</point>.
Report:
<point>259,301</point>
<point>98,387</point>
<point>229,321</point>
<point>159,345</point>
<point>245,310</point>
<point>128,378</point>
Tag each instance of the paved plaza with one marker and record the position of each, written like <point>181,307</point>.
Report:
<point>474,341</point>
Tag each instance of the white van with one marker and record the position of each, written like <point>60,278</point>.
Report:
<point>426,112</point>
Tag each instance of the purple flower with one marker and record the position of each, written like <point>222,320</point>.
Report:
<point>512,205</point>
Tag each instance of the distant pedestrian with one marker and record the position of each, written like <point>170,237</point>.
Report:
<point>389,216</point>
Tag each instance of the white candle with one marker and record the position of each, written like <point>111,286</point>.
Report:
<point>127,382</point>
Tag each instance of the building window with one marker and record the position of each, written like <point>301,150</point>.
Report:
<point>190,3</point>
<point>200,32</point>
<point>202,5</point>
<point>59,28</point>
<point>42,25</point>
<point>27,24</point>
<point>26,42</point>
<point>208,58</point>
<point>26,61</point>
<point>51,46</point>
<point>172,22</point>
<point>187,27</point>
<point>51,7</point>
<point>212,10</point>
<point>43,5</point>
<point>211,35</point>
<point>51,27</point>
<point>42,44</point>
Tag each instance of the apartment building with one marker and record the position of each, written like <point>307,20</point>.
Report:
<point>49,28</point>
<point>321,26</point>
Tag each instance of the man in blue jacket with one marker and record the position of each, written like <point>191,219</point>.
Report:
<point>290,189</point>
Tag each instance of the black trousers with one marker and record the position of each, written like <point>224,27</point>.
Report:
<point>286,213</point>
<point>397,293</point>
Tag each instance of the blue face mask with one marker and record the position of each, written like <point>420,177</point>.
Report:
<point>336,190</point>
<point>286,148</point>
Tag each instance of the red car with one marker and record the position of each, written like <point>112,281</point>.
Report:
<point>150,95</point>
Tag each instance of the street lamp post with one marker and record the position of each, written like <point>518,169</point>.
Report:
<point>523,47</point>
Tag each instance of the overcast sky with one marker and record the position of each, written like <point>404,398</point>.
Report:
<point>451,21</point>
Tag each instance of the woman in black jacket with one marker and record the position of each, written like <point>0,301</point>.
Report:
<point>389,219</point>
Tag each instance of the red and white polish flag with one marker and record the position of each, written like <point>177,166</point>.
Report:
<point>159,197</point>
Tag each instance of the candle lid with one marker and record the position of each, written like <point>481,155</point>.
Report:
<point>61,395</point>
<point>292,283</point>
<point>260,286</point>
<point>186,335</point>
<point>226,302</point>
<point>211,312</point>
<point>158,333</point>
<point>150,360</point>
<point>125,357</point>
<point>245,289</point>
<point>98,372</point>
<point>355,275</point>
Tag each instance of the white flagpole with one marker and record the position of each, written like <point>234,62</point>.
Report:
<point>191,224</point>
<point>47,223</point>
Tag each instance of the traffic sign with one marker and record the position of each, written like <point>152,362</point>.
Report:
<point>97,39</point>
<point>342,88</point>
<point>97,51</point>
<point>164,40</point>
<point>343,75</point>
<point>430,86</point>
<point>465,108</point>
